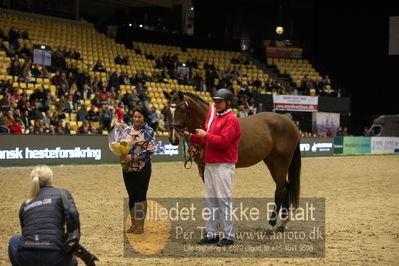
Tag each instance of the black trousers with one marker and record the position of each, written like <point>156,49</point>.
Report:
<point>136,184</point>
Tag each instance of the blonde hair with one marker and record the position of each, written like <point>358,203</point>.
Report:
<point>41,175</point>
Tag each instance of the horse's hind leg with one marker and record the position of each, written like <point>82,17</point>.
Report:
<point>278,169</point>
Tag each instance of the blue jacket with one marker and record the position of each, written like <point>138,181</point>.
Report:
<point>43,220</point>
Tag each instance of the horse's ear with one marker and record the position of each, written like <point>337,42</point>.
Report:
<point>181,95</point>
<point>166,94</point>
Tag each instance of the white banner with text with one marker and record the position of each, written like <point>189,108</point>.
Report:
<point>295,103</point>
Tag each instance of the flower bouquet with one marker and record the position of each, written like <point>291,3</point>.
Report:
<point>119,139</point>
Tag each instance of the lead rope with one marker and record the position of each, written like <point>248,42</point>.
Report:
<point>190,159</point>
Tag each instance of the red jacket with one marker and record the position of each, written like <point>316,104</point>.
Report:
<point>221,141</point>
<point>119,114</point>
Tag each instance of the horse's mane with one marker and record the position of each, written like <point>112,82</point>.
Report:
<point>192,96</point>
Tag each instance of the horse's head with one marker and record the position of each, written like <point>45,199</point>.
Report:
<point>177,115</point>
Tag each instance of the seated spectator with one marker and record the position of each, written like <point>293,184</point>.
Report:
<point>243,111</point>
<point>207,65</point>
<point>34,112</point>
<point>96,101</point>
<point>92,115</point>
<point>3,35</point>
<point>82,113</point>
<point>114,80</point>
<point>93,131</point>
<point>126,60</point>
<point>17,114</point>
<point>60,131</point>
<point>70,77</point>
<point>68,53</point>
<point>119,113</point>
<point>13,36</point>
<point>260,108</point>
<point>39,126</point>
<point>251,107</point>
<point>25,51</point>
<point>51,130</point>
<point>39,96</point>
<point>77,97</point>
<point>36,71</point>
<point>330,133</point>
<point>365,132</point>
<point>293,91</point>
<point>84,78</point>
<point>124,79</point>
<point>345,132</point>
<point>86,92</point>
<point>41,130</point>
<point>71,104</point>
<point>25,35</point>
<point>15,69</point>
<point>153,118</point>
<point>139,90</point>
<point>61,105</point>
<point>340,132</point>
<point>14,95</point>
<point>244,92</point>
<point>256,83</point>
<point>99,67</point>
<point>30,130</point>
<point>104,96</point>
<point>73,89</point>
<point>156,77</point>
<point>119,60</point>
<point>63,128</point>
<point>161,124</point>
<point>58,58</point>
<point>67,128</point>
<point>83,130</point>
<point>201,86</point>
<point>62,90</point>
<point>56,79</point>
<point>25,119</point>
<point>106,117</point>
<point>141,77</point>
<point>3,124</point>
<point>17,127</point>
<point>47,118</point>
<point>76,54</point>
<point>25,76</point>
<point>54,119</point>
<point>3,46</point>
<point>128,117</point>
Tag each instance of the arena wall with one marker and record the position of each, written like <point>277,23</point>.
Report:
<point>87,149</point>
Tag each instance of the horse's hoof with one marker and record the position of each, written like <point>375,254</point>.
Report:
<point>281,228</point>
<point>269,230</point>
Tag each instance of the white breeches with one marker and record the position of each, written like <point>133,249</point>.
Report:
<point>218,198</point>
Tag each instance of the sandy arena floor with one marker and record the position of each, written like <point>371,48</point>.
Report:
<point>361,192</point>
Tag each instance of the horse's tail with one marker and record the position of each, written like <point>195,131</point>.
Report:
<point>294,177</point>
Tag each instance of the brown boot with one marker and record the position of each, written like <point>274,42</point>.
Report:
<point>140,209</point>
<point>132,228</point>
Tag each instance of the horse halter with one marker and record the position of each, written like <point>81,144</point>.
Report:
<point>179,127</point>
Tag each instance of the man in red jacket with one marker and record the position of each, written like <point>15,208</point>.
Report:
<point>221,154</point>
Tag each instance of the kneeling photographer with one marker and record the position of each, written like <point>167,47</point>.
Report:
<point>43,216</point>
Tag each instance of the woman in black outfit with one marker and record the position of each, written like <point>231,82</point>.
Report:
<point>42,219</point>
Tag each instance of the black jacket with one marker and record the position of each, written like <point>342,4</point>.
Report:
<point>43,219</point>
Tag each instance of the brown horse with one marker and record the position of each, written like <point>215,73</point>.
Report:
<point>269,137</point>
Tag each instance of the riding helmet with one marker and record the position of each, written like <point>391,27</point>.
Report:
<point>224,94</point>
